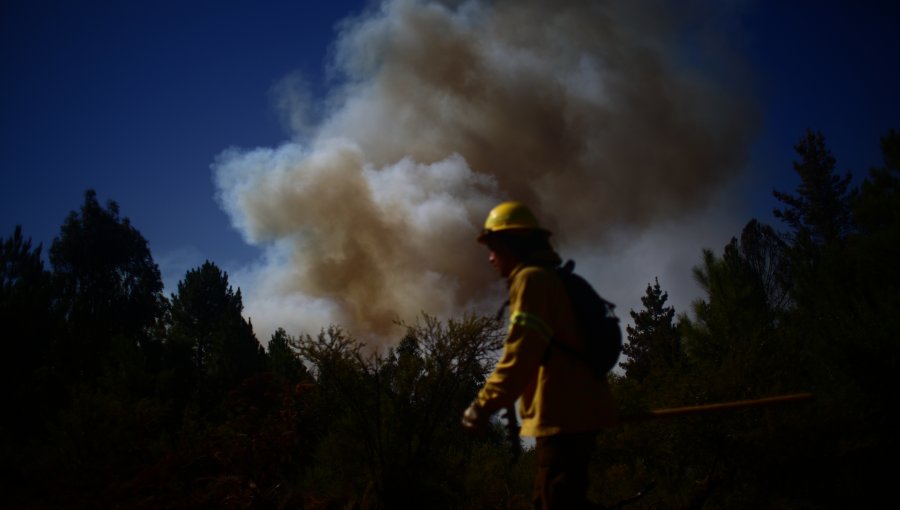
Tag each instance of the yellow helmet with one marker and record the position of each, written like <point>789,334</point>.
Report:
<point>510,216</point>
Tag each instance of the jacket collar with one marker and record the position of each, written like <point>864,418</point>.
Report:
<point>544,258</point>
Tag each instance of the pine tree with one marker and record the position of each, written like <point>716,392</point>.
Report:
<point>877,207</point>
<point>876,210</point>
<point>733,337</point>
<point>25,305</point>
<point>207,325</point>
<point>653,342</point>
<point>29,323</point>
<point>820,211</point>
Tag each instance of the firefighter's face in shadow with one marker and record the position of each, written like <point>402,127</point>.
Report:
<point>502,258</point>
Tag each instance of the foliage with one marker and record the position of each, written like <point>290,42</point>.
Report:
<point>109,290</point>
<point>809,309</point>
<point>121,398</point>
<point>28,315</point>
<point>819,212</point>
<point>654,343</point>
<point>207,325</point>
<point>284,358</point>
<point>29,393</point>
<point>391,420</point>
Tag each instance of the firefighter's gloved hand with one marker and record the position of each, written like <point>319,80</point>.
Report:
<point>475,419</point>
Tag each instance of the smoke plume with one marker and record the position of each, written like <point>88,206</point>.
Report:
<point>602,116</point>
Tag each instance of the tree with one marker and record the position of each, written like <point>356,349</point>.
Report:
<point>841,327</point>
<point>734,331</point>
<point>653,342</point>
<point>860,323</point>
<point>877,207</point>
<point>25,308</point>
<point>732,350</point>
<point>763,254</point>
<point>208,326</point>
<point>107,294</point>
<point>284,359</point>
<point>110,291</point>
<point>29,323</point>
<point>389,426</point>
<point>819,213</point>
<point>876,248</point>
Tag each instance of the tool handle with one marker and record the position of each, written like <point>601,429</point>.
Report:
<point>708,408</point>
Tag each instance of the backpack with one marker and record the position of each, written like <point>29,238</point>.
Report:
<point>596,321</point>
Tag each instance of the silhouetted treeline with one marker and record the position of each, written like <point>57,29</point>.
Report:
<point>117,396</point>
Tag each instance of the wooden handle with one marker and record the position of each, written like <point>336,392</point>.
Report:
<point>708,408</point>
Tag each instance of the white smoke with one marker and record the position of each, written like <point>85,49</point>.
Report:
<point>585,110</point>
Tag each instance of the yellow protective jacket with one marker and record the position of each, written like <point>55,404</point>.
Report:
<point>559,393</point>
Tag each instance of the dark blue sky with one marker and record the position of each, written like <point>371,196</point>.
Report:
<point>830,66</point>
<point>136,99</point>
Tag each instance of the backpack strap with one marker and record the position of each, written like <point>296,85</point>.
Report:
<point>502,309</point>
<point>568,267</point>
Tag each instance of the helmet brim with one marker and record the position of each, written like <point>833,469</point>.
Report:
<point>486,235</point>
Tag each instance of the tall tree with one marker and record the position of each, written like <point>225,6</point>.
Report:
<point>877,207</point>
<point>28,319</point>
<point>863,318</point>
<point>653,342</point>
<point>207,324</point>
<point>284,357</point>
<point>877,211</point>
<point>732,350</point>
<point>843,326</point>
<point>734,333</point>
<point>109,287</point>
<point>820,211</point>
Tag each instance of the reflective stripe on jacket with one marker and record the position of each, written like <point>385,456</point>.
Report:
<point>558,392</point>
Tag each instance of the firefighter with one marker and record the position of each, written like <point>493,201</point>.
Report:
<point>560,401</point>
